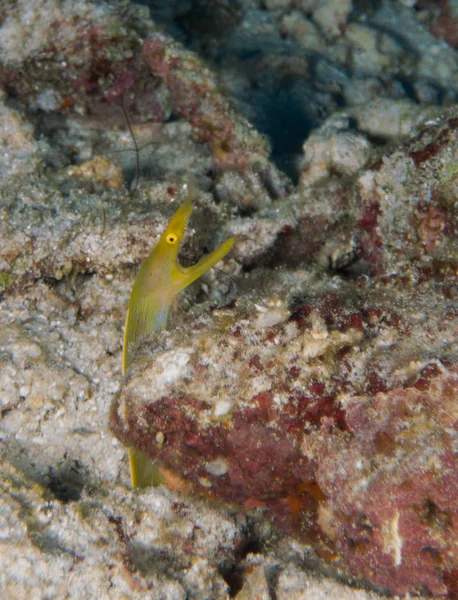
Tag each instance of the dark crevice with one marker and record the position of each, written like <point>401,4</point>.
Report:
<point>66,482</point>
<point>233,572</point>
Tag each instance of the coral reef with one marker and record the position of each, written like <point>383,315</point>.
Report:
<point>314,405</point>
<point>338,419</point>
<point>110,544</point>
<point>74,59</point>
<point>233,143</point>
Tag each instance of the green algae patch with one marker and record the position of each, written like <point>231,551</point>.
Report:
<point>6,280</point>
<point>450,171</point>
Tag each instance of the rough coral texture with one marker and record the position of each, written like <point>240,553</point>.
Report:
<point>115,544</point>
<point>411,218</point>
<point>400,209</point>
<point>77,70</point>
<point>96,53</point>
<point>354,269</point>
<point>110,544</point>
<point>339,419</point>
<point>196,97</point>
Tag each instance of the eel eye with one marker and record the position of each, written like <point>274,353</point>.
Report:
<point>171,238</point>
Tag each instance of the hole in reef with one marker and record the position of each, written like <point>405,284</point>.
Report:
<point>233,576</point>
<point>233,572</point>
<point>66,482</point>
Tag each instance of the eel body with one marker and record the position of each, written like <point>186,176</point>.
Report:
<point>159,280</point>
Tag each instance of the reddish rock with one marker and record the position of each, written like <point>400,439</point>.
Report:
<point>339,420</point>
<point>82,63</point>
<point>403,209</point>
<point>196,97</point>
<point>444,26</point>
<point>408,205</point>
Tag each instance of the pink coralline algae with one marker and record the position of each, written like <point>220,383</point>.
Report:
<point>82,63</point>
<point>338,419</point>
<point>408,216</point>
<point>195,96</point>
<point>444,25</point>
<point>89,63</point>
<point>402,209</point>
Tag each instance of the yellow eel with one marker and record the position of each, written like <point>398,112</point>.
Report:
<point>159,280</point>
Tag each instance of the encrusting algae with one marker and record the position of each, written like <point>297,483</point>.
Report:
<point>159,280</point>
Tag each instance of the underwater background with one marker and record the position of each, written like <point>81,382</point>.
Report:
<point>301,405</point>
